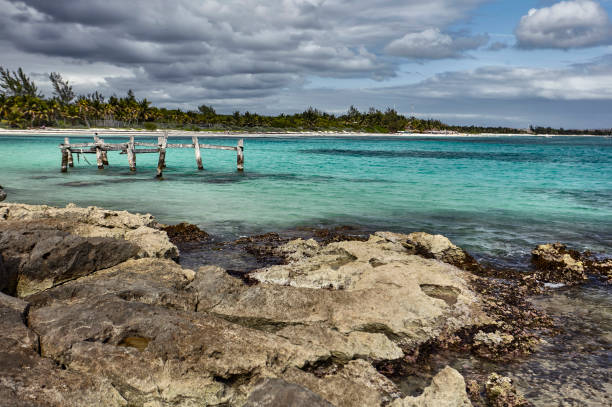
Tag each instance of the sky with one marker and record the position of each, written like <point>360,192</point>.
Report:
<point>502,63</point>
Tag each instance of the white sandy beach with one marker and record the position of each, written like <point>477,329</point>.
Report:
<point>233,134</point>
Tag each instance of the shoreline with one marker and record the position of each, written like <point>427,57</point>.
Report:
<point>315,307</point>
<point>233,134</point>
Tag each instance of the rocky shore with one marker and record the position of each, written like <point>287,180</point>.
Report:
<point>97,311</point>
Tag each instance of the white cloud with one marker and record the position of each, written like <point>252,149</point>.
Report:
<point>568,24</point>
<point>434,44</point>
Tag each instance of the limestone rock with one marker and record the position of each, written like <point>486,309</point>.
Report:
<point>501,392</point>
<point>162,355</point>
<point>436,247</point>
<point>298,249</point>
<point>355,345</point>
<point>151,281</point>
<point>277,392</point>
<point>447,389</point>
<point>408,298</point>
<point>37,256</point>
<point>95,222</point>
<point>555,263</point>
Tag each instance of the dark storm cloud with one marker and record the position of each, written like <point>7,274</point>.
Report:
<point>236,44</point>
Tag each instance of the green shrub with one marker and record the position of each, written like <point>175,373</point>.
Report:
<point>150,126</point>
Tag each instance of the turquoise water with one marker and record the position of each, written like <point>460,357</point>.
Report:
<point>495,196</point>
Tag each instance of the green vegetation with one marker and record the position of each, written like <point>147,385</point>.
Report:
<point>22,106</point>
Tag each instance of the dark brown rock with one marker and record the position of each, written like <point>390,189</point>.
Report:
<point>185,232</point>
<point>37,256</point>
<point>500,392</point>
<point>277,392</point>
<point>555,263</point>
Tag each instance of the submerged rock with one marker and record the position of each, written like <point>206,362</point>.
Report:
<point>500,392</point>
<point>556,264</point>
<point>2,194</point>
<point>185,232</point>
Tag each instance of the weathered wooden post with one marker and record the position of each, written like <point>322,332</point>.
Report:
<point>98,153</point>
<point>198,156</point>
<point>240,155</point>
<point>162,141</point>
<point>131,154</point>
<point>64,160</point>
<point>70,159</point>
<point>104,154</point>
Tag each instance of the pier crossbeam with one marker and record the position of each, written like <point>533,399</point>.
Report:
<point>100,148</point>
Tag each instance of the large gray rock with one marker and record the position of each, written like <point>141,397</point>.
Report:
<point>162,355</point>
<point>369,287</point>
<point>142,230</point>
<point>37,256</point>
<point>26,379</point>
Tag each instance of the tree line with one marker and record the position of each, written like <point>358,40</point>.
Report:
<point>22,105</point>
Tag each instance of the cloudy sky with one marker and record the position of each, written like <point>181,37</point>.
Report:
<point>509,62</point>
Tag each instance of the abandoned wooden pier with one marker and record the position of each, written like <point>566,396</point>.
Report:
<point>133,148</point>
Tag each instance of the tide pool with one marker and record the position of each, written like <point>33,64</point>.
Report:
<point>495,196</point>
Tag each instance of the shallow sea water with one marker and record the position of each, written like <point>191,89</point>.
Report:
<point>497,197</point>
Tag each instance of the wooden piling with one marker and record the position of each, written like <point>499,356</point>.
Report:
<point>98,153</point>
<point>104,154</point>
<point>70,158</point>
<point>161,164</point>
<point>240,155</point>
<point>131,154</point>
<point>198,156</point>
<point>64,160</point>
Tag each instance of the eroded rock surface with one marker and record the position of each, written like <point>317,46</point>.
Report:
<point>118,327</point>
<point>37,256</point>
<point>277,392</point>
<point>376,286</point>
<point>26,379</point>
<point>142,230</point>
